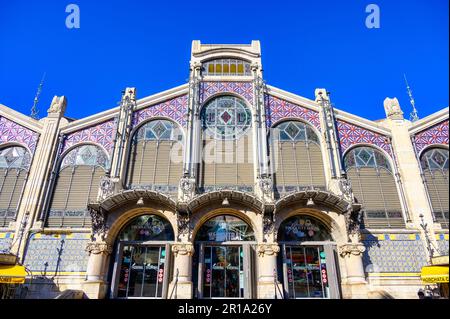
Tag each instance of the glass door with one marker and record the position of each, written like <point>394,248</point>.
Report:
<point>142,271</point>
<point>222,271</point>
<point>305,272</point>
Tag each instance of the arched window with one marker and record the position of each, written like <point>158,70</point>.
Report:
<point>227,157</point>
<point>223,67</point>
<point>77,183</point>
<point>434,164</point>
<point>225,228</point>
<point>374,187</point>
<point>156,159</point>
<point>296,158</point>
<point>14,166</point>
<point>301,228</point>
<point>146,228</point>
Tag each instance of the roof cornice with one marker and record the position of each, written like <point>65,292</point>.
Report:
<point>429,121</point>
<point>20,118</point>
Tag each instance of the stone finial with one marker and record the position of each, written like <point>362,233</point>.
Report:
<point>131,93</point>
<point>58,105</point>
<point>320,94</point>
<point>392,109</point>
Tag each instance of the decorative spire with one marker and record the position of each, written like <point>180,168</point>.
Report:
<point>414,116</point>
<point>34,109</point>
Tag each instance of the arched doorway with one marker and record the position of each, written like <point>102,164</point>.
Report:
<point>307,258</point>
<point>141,268</point>
<point>223,258</point>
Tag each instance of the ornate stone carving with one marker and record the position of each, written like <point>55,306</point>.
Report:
<point>349,249</point>
<point>267,249</point>
<point>183,221</point>
<point>184,249</point>
<point>353,222</point>
<point>196,66</point>
<point>58,105</point>
<point>345,186</point>
<point>106,187</point>
<point>266,184</point>
<point>187,184</point>
<point>268,225</point>
<point>98,217</point>
<point>99,248</point>
<point>392,108</point>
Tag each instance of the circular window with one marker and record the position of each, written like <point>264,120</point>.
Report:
<point>226,117</point>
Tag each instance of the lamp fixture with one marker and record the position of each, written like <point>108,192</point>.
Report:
<point>225,202</point>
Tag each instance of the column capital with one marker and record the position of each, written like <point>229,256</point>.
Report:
<point>97,248</point>
<point>270,249</point>
<point>349,249</point>
<point>184,249</point>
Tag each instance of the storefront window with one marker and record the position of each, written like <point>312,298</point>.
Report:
<point>225,228</point>
<point>147,227</point>
<point>303,228</point>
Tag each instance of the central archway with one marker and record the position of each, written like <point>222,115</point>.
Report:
<point>223,258</point>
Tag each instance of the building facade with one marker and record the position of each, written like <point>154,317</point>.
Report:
<point>224,187</point>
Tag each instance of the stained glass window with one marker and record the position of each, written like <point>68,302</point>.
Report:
<point>436,158</point>
<point>296,131</point>
<point>159,130</point>
<point>366,157</point>
<point>226,117</point>
<point>303,228</point>
<point>226,67</point>
<point>225,228</point>
<point>147,227</point>
<point>15,157</point>
<point>89,155</point>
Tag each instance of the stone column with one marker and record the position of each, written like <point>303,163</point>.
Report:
<point>268,286</point>
<point>95,285</point>
<point>355,284</point>
<point>181,285</point>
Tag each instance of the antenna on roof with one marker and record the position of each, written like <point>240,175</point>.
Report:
<point>34,109</point>
<point>414,116</point>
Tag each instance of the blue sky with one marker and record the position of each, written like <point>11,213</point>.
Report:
<point>146,44</point>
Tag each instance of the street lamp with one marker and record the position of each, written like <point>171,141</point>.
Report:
<point>427,239</point>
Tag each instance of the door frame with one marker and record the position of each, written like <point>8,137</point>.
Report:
<point>331,262</point>
<point>118,259</point>
<point>248,263</point>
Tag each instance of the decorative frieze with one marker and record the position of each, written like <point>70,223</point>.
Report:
<point>437,134</point>
<point>184,249</point>
<point>271,249</point>
<point>349,249</point>
<point>13,132</point>
<point>175,109</point>
<point>99,248</point>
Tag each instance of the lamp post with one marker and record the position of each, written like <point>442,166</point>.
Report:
<point>427,238</point>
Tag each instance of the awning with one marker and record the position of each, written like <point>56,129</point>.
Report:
<point>12,274</point>
<point>435,274</point>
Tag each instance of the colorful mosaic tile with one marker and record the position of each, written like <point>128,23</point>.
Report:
<point>102,134</point>
<point>437,134</point>
<point>175,109</point>
<point>13,132</point>
<point>350,135</point>
<point>443,247</point>
<point>5,241</point>
<point>47,253</point>
<point>277,109</point>
<point>395,253</point>
<point>244,89</point>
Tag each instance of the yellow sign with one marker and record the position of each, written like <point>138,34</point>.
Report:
<point>435,274</point>
<point>12,274</point>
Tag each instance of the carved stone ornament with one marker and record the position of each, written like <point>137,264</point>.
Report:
<point>392,108</point>
<point>58,105</point>
<point>267,249</point>
<point>99,248</point>
<point>106,187</point>
<point>183,224</point>
<point>351,249</point>
<point>353,221</point>
<point>345,185</point>
<point>268,225</point>
<point>185,249</point>
<point>196,66</point>
<point>265,182</point>
<point>187,184</point>
<point>98,221</point>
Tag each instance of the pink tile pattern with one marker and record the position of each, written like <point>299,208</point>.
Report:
<point>279,109</point>
<point>175,109</point>
<point>437,134</point>
<point>13,132</point>
<point>350,135</point>
<point>243,89</point>
<point>101,134</point>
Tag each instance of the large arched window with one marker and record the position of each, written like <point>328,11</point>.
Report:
<point>374,187</point>
<point>434,164</point>
<point>156,159</point>
<point>296,157</point>
<point>14,165</point>
<point>77,183</point>
<point>225,228</point>
<point>301,228</point>
<point>146,228</point>
<point>227,153</point>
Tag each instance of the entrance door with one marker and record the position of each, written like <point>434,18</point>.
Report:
<point>142,271</point>
<point>224,271</point>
